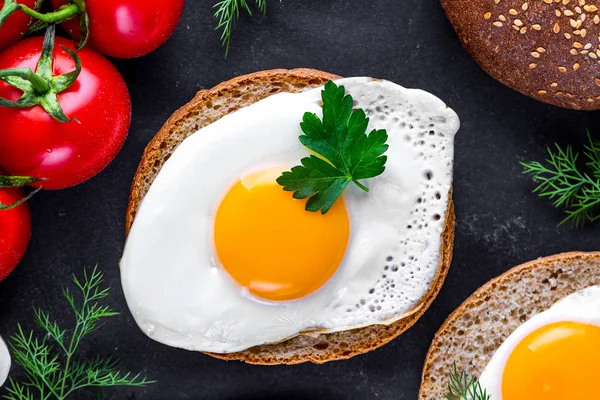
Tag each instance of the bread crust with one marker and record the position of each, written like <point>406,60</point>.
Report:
<point>538,48</point>
<point>316,347</point>
<point>555,267</point>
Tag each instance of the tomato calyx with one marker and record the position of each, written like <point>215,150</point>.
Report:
<point>40,87</point>
<point>72,9</point>
<point>17,182</point>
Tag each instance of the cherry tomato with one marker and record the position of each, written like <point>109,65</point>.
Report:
<point>127,28</point>
<point>66,153</point>
<point>15,231</point>
<point>12,29</point>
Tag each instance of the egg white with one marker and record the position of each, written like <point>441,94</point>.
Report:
<point>4,362</point>
<point>582,306</point>
<point>177,291</point>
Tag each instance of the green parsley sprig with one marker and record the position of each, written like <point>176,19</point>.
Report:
<point>52,371</point>
<point>345,152</point>
<point>228,13</point>
<point>573,184</point>
<point>465,387</point>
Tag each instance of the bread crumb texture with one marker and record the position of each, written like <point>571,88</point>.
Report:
<point>546,49</point>
<point>207,107</point>
<point>472,334</point>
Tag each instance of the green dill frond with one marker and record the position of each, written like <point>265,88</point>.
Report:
<point>464,387</point>
<point>49,361</point>
<point>572,184</point>
<point>228,13</point>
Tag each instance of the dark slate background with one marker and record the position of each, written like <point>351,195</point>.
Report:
<point>499,222</point>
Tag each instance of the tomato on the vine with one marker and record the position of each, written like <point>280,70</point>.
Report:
<point>68,126</point>
<point>13,24</point>
<point>15,230</point>
<point>126,28</point>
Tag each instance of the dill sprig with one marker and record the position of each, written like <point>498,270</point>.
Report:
<point>465,387</point>
<point>571,184</point>
<point>228,13</point>
<point>51,369</point>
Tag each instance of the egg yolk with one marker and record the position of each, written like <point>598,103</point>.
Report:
<point>270,245</point>
<point>560,361</point>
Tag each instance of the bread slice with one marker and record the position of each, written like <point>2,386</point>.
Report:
<point>472,333</point>
<point>207,107</point>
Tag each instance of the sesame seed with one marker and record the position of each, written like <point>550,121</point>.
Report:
<point>562,69</point>
<point>574,52</point>
<point>518,22</point>
<point>498,24</point>
<point>523,30</point>
<point>569,13</point>
<point>575,66</point>
<point>487,15</point>
<point>597,20</point>
<point>512,11</point>
<point>583,33</point>
<point>535,54</point>
<point>577,45</point>
<point>590,8</point>
<point>542,92</point>
<point>554,84</point>
<point>567,35</point>
<point>578,9</point>
<point>525,6</point>
<point>502,18</point>
<point>590,100</point>
<point>588,46</point>
<point>555,28</point>
<point>541,50</point>
<point>536,27</point>
<point>532,65</point>
<point>548,1</point>
<point>557,12</point>
<point>593,56</point>
<point>597,81</point>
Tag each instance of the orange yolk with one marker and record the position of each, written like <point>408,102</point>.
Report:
<point>560,361</point>
<point>270,245</point>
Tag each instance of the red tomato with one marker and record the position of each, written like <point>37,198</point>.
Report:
<point>15,231</point>
<point>127,28</point>
<point>34,144</point>
<point>13,28</point>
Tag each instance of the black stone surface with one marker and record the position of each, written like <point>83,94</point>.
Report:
<point>499,222</point>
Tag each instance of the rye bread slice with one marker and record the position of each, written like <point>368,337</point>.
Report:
<point>207,107</point>
<point>476,329</point>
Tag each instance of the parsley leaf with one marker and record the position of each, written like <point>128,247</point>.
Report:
<point>345,152</point>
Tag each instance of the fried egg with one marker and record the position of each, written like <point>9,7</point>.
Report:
<point>553,356</point>
<point>4,362</point>
<point>221,259</point>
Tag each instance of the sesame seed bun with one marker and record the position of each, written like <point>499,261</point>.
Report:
<point>209,106</point>
<point>546,49</point>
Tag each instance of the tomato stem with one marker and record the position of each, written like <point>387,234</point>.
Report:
<point>10,6</point>
<point>64,13</point>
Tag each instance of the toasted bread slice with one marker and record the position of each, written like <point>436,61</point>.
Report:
<point>476,329</point>
<point>207,107</point>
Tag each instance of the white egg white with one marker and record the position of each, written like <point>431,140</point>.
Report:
<point>179,294</point>
<point>4,362</point>
<point>582,306</point>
